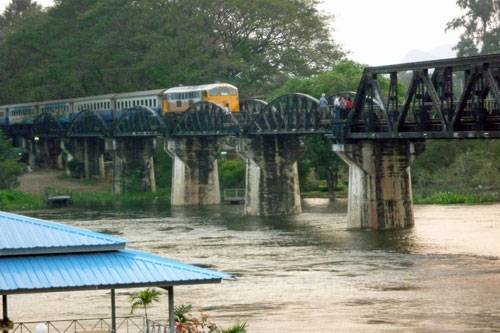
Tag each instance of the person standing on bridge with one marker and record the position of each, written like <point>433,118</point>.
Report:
<point>323,106</point>
<point>336,106</point>
<point>323,101</point>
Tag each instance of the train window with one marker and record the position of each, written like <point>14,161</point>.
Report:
<point>179,103</point>
<point>213,92</point>
<point>190,102</point>
<point>232,91</point>
<point>223,91</point>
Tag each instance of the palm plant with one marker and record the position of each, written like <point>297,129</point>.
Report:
<point>144,299</point>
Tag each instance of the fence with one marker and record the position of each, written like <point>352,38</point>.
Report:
<point>130,324</point>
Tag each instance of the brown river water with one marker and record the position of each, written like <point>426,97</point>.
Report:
<point>307,272</point>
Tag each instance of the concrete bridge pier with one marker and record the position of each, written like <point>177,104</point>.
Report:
<point>29,146</point>
<point>48,153</point>
<point>380,194</point>
<point>133,161</point>
<point>195,174</point>
<point>272,179</point>
<point>90,151</point>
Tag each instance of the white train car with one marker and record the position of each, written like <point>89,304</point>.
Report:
<point>102,104</point>
<point>153,99</point>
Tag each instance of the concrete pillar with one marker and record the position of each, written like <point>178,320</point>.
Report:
<point>48,153</point>
<point>195,174</point>
<point>380,195</point>
<point>89,151</point>
<point>132,157</point>
<point>29,146</point>
<point>272,180</point>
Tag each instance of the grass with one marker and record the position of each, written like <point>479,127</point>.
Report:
<point>323,194</point>
<point>125,197</point>
<point>16,200</point>
<point>445,198</point>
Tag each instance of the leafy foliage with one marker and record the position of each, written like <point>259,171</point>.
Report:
<point>81,48</point>
<point>469,167</point>
<point>144,299</point>
<point>9,165</point>
<point>232,173</point>
<point>187,323</point>
<point>12,199</point>
<point>481,24</point>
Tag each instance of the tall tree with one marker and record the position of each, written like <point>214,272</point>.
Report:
<point>481,25</point>
<point>16,13</point>
<point>144,299</point>
<point>79,48</point>
<point>9,165</point>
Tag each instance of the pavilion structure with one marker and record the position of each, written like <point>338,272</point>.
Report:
<point>38,256</point>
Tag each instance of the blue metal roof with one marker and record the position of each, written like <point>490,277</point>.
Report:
<point>104,270</point>
<point>42,256</point>
<point>21,235</point>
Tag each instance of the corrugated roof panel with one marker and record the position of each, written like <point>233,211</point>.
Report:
<point>20,235</point>
<point>112,269</point>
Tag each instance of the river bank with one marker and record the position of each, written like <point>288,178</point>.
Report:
<point>30,194</point>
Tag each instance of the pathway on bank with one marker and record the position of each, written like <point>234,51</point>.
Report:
<point>39,180</point>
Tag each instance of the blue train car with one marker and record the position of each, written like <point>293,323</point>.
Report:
<point>4,115</point>
<point>102,104</point>
<point>22,114</point>
<point>61,109</point>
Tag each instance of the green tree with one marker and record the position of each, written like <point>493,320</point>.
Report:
<point>144,299</point>
<point>78,48</point>
<point>481,25</point>
<point>15,14</point>
<point>10,167</point>
<point>232,173</point>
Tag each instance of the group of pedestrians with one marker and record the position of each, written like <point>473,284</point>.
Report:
<point>341,105</point>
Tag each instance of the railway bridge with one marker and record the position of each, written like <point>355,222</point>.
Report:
<point>379,138</point>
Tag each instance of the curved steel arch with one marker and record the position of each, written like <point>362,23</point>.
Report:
<point>47,125</point>
<point>288,114</point>
<point>206,118</point>
<point>249,108</point>
<point>139,121</point>
<point>88,123</point>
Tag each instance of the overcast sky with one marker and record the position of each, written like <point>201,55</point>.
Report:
<point>384,32</point>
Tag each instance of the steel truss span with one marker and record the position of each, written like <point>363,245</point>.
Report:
<point>451,98</point>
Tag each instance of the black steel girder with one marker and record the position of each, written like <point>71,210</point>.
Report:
<point>46,125</point>
<point>88,123</point>
<point>139,121</point>
<point>206,118</point>
<point>289,114</point>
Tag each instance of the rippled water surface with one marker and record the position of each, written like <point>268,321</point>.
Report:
<point>307,272</point>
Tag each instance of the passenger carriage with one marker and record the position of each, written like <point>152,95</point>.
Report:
<point>22,114</point>
<point>61,109</point>
<point>4,115</point>
<point>179,99</point>
<point>150,98</point>
<point>104,105</point>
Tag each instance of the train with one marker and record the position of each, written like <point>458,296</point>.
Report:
<point>110,106</point>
